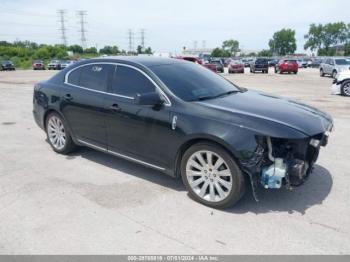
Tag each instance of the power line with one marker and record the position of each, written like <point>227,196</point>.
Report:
<point>82,22</point>
<point>62,28</point>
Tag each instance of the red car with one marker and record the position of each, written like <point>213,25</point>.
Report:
<point>287,65</point>
<point>196,60</point>
<point>236,66</point>
<point>38,65</point>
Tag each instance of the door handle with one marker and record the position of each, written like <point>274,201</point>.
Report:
<point>68,97</point>
<point>115,108</point>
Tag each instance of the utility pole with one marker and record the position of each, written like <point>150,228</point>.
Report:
<point>131,40</point>
<point>204,44</point>
<point>195,45</point>
<point>81,14</point>
<point>143,38</point>
<point>61,13</point>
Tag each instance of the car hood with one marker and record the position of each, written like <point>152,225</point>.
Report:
<point>343,67</point>
<point>271,115</point>
<point>344,74</point>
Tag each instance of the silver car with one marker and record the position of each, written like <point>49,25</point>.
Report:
<point>333,66</point>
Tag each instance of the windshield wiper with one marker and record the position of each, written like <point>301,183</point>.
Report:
<point>219,95</point>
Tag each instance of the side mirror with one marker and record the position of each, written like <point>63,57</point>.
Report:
<point>148,99</point>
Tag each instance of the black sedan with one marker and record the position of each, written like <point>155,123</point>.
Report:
<point>7,65</point>
<point>184,120</point>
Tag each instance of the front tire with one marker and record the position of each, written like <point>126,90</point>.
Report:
<point>212,176</point>
<point>345,88</point>
<point>58,135</point>
<point>321,73</point>
<point>334,74</point>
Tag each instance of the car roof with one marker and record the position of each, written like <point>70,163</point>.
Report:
<point>146,61</point>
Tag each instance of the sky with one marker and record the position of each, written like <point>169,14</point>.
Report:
<point>169,24</point>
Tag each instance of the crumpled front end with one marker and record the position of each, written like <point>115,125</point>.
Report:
<point>280,162</point>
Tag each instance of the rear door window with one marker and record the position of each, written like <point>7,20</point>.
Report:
<point>95,76</point>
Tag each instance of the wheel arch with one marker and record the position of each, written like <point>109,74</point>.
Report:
<point>47,113</point>
<point>53,110</point>
<point>202,139</point>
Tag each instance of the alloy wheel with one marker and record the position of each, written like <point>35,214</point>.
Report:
<point>346,89</point>
<point>56,133</point>
<point>209,176</point>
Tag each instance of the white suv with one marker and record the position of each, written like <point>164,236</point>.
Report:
<point>341,84</point>
<point>333,66</point>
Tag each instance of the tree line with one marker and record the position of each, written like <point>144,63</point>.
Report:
<point>326,39</point>
<point>22,53</point>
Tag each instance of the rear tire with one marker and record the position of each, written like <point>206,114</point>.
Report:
<point>58,135</point>
<point>212,176</point>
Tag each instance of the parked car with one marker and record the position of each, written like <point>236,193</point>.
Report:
<point>273,62</point>
<point>66,63</point>
<point>185,121</point>
<point>301,63</point>
<point>260,64</point>
<point>341,84</point>
<point>7,65</point>
<point>236,66</point>
<point>38,65</point>
<point>210,66</point>
<point>247,62</point>
<point>54,65</point>
<point>219,65</point>
<point>287,66</point>
<point>197,60</point>
<point>333,66</point>
<point>315,63</point>
<point>227,62</point>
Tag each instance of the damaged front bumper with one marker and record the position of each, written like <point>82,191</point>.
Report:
<point>279,162</point>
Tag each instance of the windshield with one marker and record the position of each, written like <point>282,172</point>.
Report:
<point>192,82</point>
<point>342,62</point>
